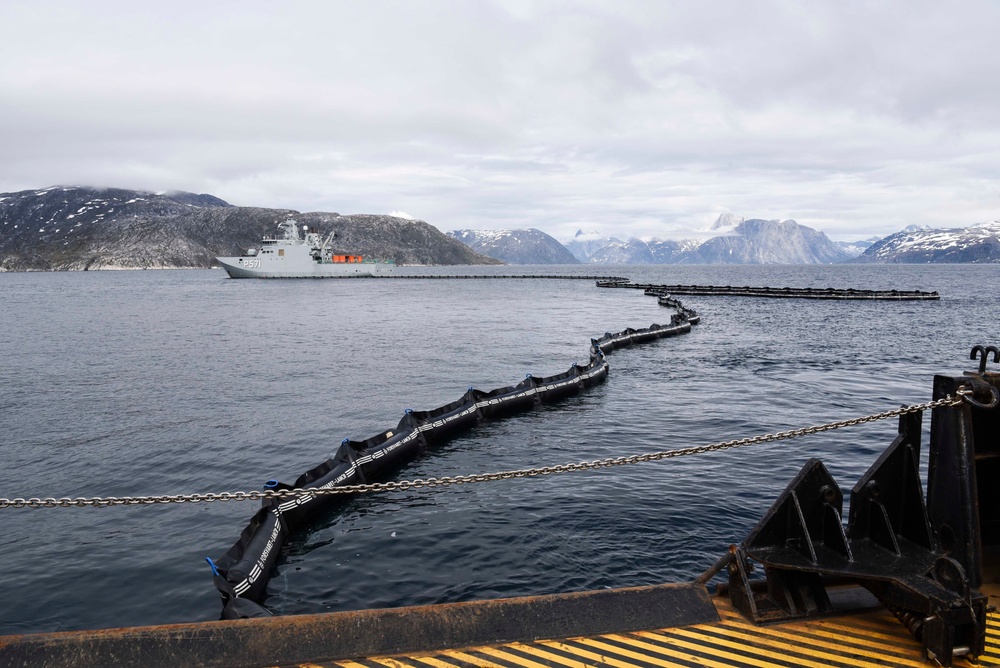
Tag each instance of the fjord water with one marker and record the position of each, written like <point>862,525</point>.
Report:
<point>167,382</point>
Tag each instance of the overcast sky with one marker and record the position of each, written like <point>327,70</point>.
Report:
<point>629,118</point>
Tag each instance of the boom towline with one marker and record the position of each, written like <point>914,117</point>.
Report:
<point>963,395</point>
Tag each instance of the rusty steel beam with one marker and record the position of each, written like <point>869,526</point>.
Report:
<point>340,635</point>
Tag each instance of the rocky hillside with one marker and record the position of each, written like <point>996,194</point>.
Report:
<point>975,244</point>
<point>87,228</point>
<point>526,246</point>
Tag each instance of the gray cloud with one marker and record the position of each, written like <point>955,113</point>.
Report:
<point>626,117</point>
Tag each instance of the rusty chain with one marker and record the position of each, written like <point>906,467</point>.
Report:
<point>964,395</point>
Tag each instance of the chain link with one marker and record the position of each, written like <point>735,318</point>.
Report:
<point>948,401</point>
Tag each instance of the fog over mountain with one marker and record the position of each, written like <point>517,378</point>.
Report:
<point>583,245</point>
<point>726,222</point>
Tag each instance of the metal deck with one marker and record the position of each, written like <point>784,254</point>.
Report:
<point>869,639</point>
<point>686,628</point>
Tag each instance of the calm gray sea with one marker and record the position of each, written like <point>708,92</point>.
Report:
<point>166,382</point>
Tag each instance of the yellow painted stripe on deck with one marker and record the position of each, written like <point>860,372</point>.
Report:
<point>882,627</point>
<point>431,661</point>
<point>608,649</point>
<point>511,658</point>
<point>670,637</point>
<point>896,642</point>
<point>593,656</point>
<point>653,649</point>
<point>893,632</point>
<point>901,646</point>
<point>815,653</point>
<point>903,642</point>
<point>905,652</point>
<point>701,635</point>
<point>550,657</point>
<point>869,639</point>
<point>470,660</point>
<point>393,663</point>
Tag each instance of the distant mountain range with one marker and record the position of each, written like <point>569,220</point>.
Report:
<point>73,228</point>
<point>746,241</point>
<point>529,246</point>
<point>920,245</point>
<point>77,228</point>
<point>740,242</point>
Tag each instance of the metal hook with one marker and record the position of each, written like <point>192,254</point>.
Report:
<point>983,354</point>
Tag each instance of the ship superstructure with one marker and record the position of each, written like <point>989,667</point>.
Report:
<point>305,254</point>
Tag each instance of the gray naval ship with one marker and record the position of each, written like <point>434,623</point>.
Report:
<point>290,255</point>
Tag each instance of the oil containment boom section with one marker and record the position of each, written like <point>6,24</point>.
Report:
<point>242,573</point>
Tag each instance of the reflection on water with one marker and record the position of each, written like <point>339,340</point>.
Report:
<point>123,383</point>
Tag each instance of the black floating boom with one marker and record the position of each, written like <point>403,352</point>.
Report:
<point>242,573</point>
<point>769,292</point>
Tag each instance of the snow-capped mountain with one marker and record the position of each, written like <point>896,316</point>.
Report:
<point>917,245</point>
<point>527,246</point>
<point>667,251</point>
